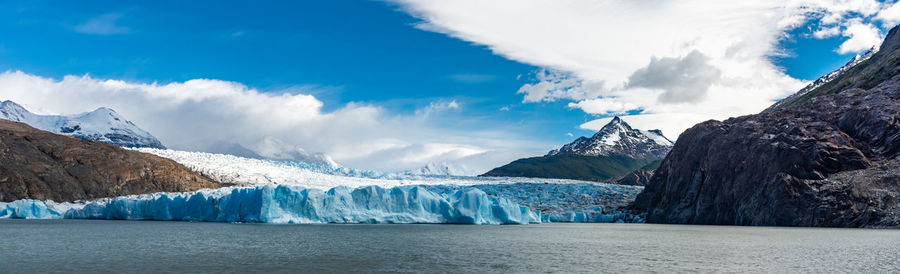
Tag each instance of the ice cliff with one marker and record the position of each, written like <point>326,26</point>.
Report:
<point>291,204</point>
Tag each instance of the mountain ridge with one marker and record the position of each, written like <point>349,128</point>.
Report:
<point>37,164</point>
<point>618,138</point>
<point>102,125</point>
<point>614,151</point>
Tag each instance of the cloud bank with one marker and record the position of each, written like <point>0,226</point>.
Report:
<point>196,114</point>
<point>672,61</point>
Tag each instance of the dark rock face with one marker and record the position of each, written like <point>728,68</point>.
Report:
<point>830,161</point>
<point>638,177</point>
<point>36,164</point>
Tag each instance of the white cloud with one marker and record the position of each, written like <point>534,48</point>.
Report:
<point>889,16</point>
<point>685,79</point>
<point>691,59</point>
<point>104,25</point>
<point>195,114</point>
<point>827,32</point>
<point>862,37</point>
<point>437,107</point>
<point>554,85</point>
<point>604,106</point>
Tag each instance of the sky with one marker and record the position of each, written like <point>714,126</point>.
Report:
<point>394,85</point>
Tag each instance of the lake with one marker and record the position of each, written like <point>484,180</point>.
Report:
<point>150,246</point>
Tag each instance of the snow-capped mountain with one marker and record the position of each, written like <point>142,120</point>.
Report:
<point>618,138</point>
<point>102,124</point>
<point>859,58</point>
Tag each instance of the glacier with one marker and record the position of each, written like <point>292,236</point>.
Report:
<point>291,205</point>
<point>234,170</point>
<point>267,191</point>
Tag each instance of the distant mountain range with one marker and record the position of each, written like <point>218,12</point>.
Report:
<point>107,126</point>
<point>102,125</point>
<point>614,151</point>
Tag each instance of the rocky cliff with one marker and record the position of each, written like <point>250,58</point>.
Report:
<point>829,161</point>
<point>36,164</point>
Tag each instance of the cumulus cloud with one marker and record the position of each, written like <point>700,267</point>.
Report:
<point>861,37</point>
<point>103,25</point>
<point>707,58</point>
<point>890,16</point>
<point>685,80</point>
<point>195,114</point>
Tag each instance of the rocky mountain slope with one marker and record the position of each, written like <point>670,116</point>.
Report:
<point>614,151</point>
<point>36,164</point>
<point>825,79</point>
<point>828,160</point>
<point>102,125</point>
<point>865,74</point>
<point>618,138</point>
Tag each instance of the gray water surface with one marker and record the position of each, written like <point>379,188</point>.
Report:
<point>146,246</point>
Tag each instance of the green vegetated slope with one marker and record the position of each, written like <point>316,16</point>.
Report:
<point>590,168</point>
<point>882,66</point>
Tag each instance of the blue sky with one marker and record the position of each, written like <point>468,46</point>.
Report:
<point>370,53</point>
<point>401,57</point>
<point>340,51</point>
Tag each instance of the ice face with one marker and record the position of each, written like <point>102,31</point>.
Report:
<point>34,209</point>
<point>480,204</point>
<point>292,204</point>
<point>581,203</point>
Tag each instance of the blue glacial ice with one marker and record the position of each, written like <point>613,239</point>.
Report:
<point>481,204</point>
<point>579,203</point>
<point>292,204</point>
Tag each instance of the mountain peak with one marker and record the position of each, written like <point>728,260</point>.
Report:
<point>9,110</point>
<point>615,124</point>
<point>104,110</point>
<point>618,138</point>
<point>102,125</point>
